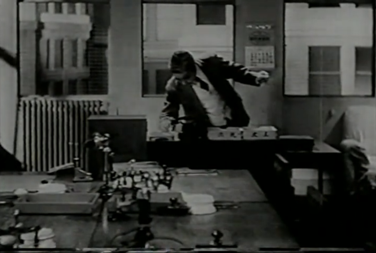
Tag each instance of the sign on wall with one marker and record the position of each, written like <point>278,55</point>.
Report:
<point>259,49</point>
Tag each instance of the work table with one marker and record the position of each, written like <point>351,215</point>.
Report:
<point>255,224</point>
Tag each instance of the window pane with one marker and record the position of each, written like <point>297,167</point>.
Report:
<point>42,7</point>
<point>43,87</point>
<point>58,8</point>
<point>59,53</point>
<point>363,84</point>
<point>211,14</point>
<point>363,58</point>
<point>324,84</point>
<point>324,59</point>
<point>74,44</point>
<point>162,76</point>
<point>48,52</point>
<point>57,88</point>
<point>83,87</point>
<point>71,8</point>
<point>145,82</point>
<point>72,87</point>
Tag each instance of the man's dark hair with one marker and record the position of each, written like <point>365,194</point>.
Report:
<point>182,61</point>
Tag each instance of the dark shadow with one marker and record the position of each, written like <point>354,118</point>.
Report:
<point>8,57</point>
<point>8,161</point>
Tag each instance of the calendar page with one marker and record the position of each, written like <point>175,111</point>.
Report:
<point>259,57</point>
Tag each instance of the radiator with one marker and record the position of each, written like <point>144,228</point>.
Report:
<point>53,131</point>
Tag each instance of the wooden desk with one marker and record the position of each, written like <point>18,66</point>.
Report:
<point>253,225</point>
<point>323,158</point>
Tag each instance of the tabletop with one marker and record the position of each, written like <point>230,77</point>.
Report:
<point>253,225</point>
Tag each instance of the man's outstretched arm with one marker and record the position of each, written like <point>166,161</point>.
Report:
<point>240,73</point>
<point>170,110</point>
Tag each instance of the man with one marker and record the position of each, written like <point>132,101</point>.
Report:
<point>359,179</point>
<point>359,171</point>
<point>201,86</point>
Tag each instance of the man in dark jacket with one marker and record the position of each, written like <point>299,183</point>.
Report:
<point>201,86</point>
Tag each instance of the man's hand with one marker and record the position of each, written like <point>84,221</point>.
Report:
<point>165,125</point>
<point>262,77</point>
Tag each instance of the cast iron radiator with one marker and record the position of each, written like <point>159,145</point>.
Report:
<point>51,132</point>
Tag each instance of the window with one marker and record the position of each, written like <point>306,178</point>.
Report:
<point>210,14</point>
<point>363,70</point>
<point>64,56</point>
<point>42,7</point>
<point>165,30</point>
<point>324,70</point>
<point>71,8</point>
<point>326,56</point>
<point>58,7</point>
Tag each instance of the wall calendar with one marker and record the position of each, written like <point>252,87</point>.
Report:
<point>260,46</point>
<point>260,57</point>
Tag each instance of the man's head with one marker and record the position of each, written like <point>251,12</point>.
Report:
<point>182,66</point>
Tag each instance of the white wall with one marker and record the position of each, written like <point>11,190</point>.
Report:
<point>169,27</point>
<point>345,26</point>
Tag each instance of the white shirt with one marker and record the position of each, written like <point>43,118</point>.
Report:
<point>215,107</point>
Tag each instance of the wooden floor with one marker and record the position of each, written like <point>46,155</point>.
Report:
<point>253,225</point>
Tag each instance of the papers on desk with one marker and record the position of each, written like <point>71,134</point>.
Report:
<point>199,204</point>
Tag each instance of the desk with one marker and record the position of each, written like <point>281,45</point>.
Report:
<point>253,225</point>
<point>323,158</point>
<point>214,154</point>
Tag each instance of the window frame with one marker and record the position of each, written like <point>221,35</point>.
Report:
<point>193,2</point>
<point>284,71</point>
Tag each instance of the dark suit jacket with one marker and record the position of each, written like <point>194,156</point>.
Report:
<point>218,71</point>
